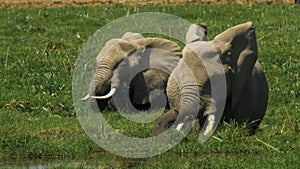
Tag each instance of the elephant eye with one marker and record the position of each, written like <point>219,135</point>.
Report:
<point>229,51</point>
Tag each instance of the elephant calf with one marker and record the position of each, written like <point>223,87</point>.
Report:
<point>241,95</point>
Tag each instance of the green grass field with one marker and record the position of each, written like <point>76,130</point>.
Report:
<point>38,49</point>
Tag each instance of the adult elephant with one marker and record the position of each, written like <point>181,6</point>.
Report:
<point>155,58</point>
<point>245,97</point>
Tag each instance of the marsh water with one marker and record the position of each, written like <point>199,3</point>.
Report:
<point>98,161</point>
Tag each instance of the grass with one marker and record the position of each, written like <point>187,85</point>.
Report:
<point>38,49</point>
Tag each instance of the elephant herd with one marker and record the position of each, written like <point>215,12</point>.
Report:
<point>207,80</point>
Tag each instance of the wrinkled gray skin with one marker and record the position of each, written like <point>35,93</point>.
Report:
<point>247,90</point>
<point>134,45</point>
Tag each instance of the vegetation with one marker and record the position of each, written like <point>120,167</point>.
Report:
<point>38,49</point>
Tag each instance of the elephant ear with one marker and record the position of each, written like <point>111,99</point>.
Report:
<point>118,47</point>
<point>160,53</point>
<point>132,36</point>
<point>196,32</point>
<point>237,47</point>
<point>116,50</point>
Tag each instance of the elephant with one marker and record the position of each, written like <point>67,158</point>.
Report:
<point>116,62</point>
<point>245,89</point>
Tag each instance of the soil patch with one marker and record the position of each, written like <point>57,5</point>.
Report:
<point>62,3</point>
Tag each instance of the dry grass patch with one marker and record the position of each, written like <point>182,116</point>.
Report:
<point>62,3</point>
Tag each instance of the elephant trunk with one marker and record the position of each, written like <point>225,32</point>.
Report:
<point>98,85</point>
<point>184,99</point>
<point>199,91</point>
<point>102,78</point>
<point>100,82</point>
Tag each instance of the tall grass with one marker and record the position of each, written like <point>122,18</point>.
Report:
<point>38,48</point>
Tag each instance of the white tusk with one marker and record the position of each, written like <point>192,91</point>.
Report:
<point>230,68</point>
<point>210,124</point>
<point>179,126</point>
<point>86,97</point>
<point>111,93</point>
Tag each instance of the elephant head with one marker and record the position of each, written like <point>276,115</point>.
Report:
<point>246,92</point>
<point>116,61</point>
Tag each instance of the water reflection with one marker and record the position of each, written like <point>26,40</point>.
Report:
<point>95,161</point>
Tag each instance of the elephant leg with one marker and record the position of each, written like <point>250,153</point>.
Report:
<point>138,92</point>
<point>143,83</point>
